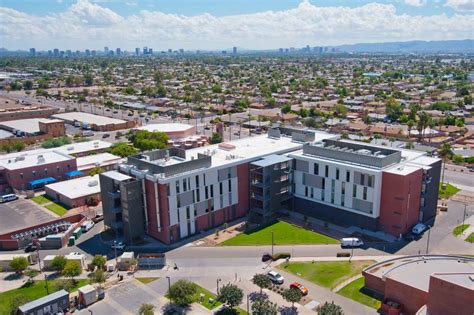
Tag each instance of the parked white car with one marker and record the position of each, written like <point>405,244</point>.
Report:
<point>419,228</point>
<point>275,277</point>
<point>351,242</point>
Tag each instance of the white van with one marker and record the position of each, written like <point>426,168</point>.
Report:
<point>351,242</point>
<point>86,226</point>
<point>418,228</point>
<point>7,198</point>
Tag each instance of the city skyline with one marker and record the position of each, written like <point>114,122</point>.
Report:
<point>95,24</point>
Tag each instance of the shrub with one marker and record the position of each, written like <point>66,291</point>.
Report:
<point>277,256</point>
<point>343,254</point>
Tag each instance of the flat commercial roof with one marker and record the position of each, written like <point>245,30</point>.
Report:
<point>271,159</point>
<point>5,134</point>
<point>46,299</point>
<point>81,147</point>
<point>415,271</point>
<point>116,176</point>
<point>32,158</point>
<point>78,187</point>
<point>87,118</point>
<point>167,127</point>
<point>30,126</point>
<point>102,159</point>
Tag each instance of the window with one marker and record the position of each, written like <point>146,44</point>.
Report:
<point>34,173</point>
<point>343,188</point>
<point>311,195</point>
<point>212,191</point>
<point>230,199</point>
<point>337,173</point>
<point>185,186</point>
<point>362,179</point>
<point>197,180</point>
<point>204,177</point>
<point>198,195</point>
<point>354,190</point>
<point>364,196</point>
<point>306,191</point>
<point>178,201</point>
<point>206,192</point>
<point>195,211</point>
<point>187,213</point>
<point>220,188</point>
<point>333,187</point>
<point>327,171</point>
<point>323,183</point>
<point>348,176</point>
<point>370,181</point>
<point>177,186</point>
<point>222,200</point>
<point>230,185</point>
<point>21,175</point>
<point>316,169</point>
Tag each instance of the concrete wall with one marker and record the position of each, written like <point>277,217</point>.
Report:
<point>411,299</point>
<point>461,299</point>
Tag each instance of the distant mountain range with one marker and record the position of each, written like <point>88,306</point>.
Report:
<point>416,46</point>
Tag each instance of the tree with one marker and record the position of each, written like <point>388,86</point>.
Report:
<point>216,89</point>
<point>410,124</point>
<point>58,263</point>
<point>423,122</point>
<point>215,138</point>
<point>28,85</point>
<point>292,295</point>
<point>264,307</point>
<point>88,79</point>
<point>98,276</point>
<point>329,309</point>
<point>393,109</point>
<point>181,292</point>
<point>72,269</point>
<point>31,273</point>
<point>445,153</point>
<point>285,109</point>
<point>148,140</point>
<point>122,149</point>
<point>231,294</point>
<point>344,135</point>
<point>146,309</point>
<point>340,110</point>
<point>262,281</point>
<point>64,284</point>
<point>99,261</point>
<point>96,170</point>
<point>19,264</point>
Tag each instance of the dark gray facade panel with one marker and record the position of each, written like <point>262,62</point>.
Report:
<point>432,191</point>
<point>362,205</point>
<point>186,198</point>
<point>302,166</point>
<point>313,180</point>
<point>333,215</point>
<point>132,209</point>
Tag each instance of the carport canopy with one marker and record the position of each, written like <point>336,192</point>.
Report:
<point>42,181</point>
<point>74,173</point>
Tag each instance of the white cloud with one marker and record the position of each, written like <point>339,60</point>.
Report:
<point>89,25</point>
<point>415,3</point>
<point>461,5</point>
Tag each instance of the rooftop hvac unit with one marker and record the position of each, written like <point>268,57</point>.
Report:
<point>364,152</point>
<point>19,158</point>
<point>41,159</point>
<point>93,183</point>
<point>70,148</point>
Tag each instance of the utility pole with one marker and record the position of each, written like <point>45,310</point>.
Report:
<point>464,215</point>
<point>218,280</point>
<point>169,283</point>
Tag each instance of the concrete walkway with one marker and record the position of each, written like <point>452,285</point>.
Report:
<point>344,283</point>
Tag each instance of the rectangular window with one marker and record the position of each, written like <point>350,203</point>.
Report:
<point>337,173</point>
<point>354,190</point>
<point>197,180</point>
<point>177,186</point>
<point>365,194</point>
<point>311,193</point>
<point>198,195</point>
<point>333,187</point>
<point>187,213</point>
<point>206,192</point>
<point>195,211</point>
<point>230,185</point>
<point>222,200</point>
<point>327,171</point>
<point>220,188</point>
<point>230,199</point>
<point>185,186</point>
<point>316,169</point>
<point>212,191</point>
<point>306,191</point>
<point>370,181</point>
<point>348,176</point>
<point>178,201</point>
<point>362,179</point>
<point>323,183</point>
<point>343,188</point>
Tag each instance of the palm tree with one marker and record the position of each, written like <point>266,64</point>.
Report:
<point>423,122</point>
<point>445,152</point>
<point>410,124</point>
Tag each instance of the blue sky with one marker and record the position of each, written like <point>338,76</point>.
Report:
<point>214,7</point>
<point>221,24</point>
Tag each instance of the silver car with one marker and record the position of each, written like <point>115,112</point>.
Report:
<point>275,277</point>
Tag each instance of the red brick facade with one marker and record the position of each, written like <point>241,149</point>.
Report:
<point>461,299</point>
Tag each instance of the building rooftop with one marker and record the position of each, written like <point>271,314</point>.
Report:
<point>176,127</point>
<point>33,158</point>
<point>116,176</point>
<point>81,147</point>
<point>415,271</point>
<point>29,126</point>
<point>39,302</point>
<point>270,160</point>
<point>101,159</point>
<point>462,279</point>
<point>87,118</point>
<point>5,134</point>
<point>78,187</point>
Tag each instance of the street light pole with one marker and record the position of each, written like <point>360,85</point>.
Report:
<point>272,242</point>
<point>464,215</point>
<point>248,306</point>
<point>169,283</point>
<point>218,280</point>
<point>428,241</point>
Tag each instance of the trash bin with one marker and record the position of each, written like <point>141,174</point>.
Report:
<point>72,241</point>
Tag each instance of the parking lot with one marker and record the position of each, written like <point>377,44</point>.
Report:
<point>20,214</point>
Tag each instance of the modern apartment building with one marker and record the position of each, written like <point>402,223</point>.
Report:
<point>171,194</point>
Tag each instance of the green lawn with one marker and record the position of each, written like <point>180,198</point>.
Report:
<point>354,292</point>
<point>31,292</point>
<point>41,199</point>
<point>326,273</point>
<point>57,208</point>
<point>284,234</point>
<point>459,229</point>
<point>146,280</point>
<point>449,192</point>
<point>205,300</point>
<point>470,238</point>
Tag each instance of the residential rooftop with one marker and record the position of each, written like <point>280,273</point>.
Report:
<point>32,158</point>
<point>29,126</point>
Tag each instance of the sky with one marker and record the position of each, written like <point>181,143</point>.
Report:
<point>222,24</point>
